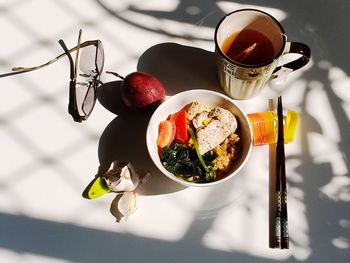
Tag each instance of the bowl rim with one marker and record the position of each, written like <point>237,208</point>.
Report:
<point>171,176</point>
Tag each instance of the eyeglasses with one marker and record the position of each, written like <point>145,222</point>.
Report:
<point>85,73</point>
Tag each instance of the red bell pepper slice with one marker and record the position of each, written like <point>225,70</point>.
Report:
<point>181,135</point>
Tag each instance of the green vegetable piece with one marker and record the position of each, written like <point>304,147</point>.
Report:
<point>195,143</point>
<point>96,188</point>
<point>209,170</point>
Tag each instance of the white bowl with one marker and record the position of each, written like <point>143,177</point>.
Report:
<point>177,102</point>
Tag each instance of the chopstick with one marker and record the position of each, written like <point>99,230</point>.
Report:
<point>281,216</point>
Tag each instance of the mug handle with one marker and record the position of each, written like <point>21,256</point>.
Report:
<point>299,48</point>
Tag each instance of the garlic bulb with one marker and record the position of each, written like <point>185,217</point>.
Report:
<point>121,177</point>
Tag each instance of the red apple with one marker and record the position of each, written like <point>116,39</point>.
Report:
<point>140,90</point>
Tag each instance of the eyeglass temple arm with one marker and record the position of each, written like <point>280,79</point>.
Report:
<point>19,70</point>
<point>72,104</point>
<point>66,52</point>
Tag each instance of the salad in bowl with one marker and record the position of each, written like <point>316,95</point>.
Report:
<point>199,138</point>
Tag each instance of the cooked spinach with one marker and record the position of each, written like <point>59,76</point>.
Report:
<point>182,160</point>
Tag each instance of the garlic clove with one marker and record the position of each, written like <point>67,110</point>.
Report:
<point>128,203</point>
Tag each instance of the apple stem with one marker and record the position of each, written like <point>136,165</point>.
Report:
<point>115,74</point>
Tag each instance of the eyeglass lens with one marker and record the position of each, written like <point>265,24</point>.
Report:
<point>91,64</point>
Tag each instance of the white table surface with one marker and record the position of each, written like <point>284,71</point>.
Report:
<point>46,159</point>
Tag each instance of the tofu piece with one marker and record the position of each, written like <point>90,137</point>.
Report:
<point>196,108</point>
<point>210,136</point>
<point>226,117</point>
<point>222,124</point>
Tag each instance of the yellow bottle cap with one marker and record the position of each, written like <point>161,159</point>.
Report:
<point>290,125</point>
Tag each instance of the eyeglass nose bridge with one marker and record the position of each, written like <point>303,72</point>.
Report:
<point>85,84</point>
<point>84,75</point>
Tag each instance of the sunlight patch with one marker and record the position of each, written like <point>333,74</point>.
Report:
<point>319,107</point>
<point>158,5</point>
<point>341,242</point>
<point>228,7</point>
<point>338,188</point>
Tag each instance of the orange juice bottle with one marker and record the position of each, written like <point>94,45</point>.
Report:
<point>264,126</point>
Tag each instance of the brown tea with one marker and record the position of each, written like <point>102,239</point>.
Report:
<point>249,47</point>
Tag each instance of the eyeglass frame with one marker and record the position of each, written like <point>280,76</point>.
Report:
<point>93,82</point>
<point>72,105</point>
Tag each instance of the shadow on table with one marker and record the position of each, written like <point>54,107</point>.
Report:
<point>125,139</point>
<point>179,68</point>
<point>69,242</point>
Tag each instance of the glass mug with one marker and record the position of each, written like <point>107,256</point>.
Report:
<point>248,46</point>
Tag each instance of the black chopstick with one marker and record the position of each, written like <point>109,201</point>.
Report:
<point>281,216</point>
